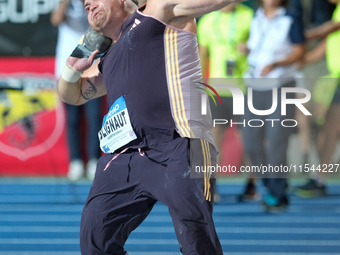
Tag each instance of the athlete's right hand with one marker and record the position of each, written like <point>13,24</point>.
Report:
<point>81,64</point>
<point>91,46</point>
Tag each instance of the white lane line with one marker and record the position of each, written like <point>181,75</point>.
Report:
<point>230,242</point>
<point>42,198</point>
<point>259,219</point>
<point>220,230</point>
<point>163,209</point>
<point>256,209</point>
<point>39,241</point>
<point>232,253</point>
<point>304,231</point>
<point>237,242</point>
<point>156,253</point>
<point>69,198</point>
<point>40,253</point>
<point>242,242</point>
<point>43,182</point>
<point>249,230</point>
<point>281,242</point>
<point>166,218</point>
<point>39,229</point>
<point>155,210</point>
<point>44,208</point>
<point>39,218</point>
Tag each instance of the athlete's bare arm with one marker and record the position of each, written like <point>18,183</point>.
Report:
<point>183,11</point>
<point>90,85</point>
<point>178,13</point>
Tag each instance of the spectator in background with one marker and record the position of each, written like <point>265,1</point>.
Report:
<point>304,127</point>
<point>71,19</point>
<point>219,34</point>
<point>328,136</point>
<point>250,193</point>
<point>322,11</point>
<point>275,45</point>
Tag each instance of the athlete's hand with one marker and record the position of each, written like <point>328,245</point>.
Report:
<point>81,64</point>
<point>91,46</point>
<point>90,42</point>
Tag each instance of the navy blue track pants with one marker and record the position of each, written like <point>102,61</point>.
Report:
<point>123,195</point>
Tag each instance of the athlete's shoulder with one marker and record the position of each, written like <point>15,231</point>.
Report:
<point>180,11</point>
<point>187,25</point>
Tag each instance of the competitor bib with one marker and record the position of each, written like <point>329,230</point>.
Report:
<point>116,129</point>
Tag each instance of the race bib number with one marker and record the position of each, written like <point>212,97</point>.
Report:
<point>116,129</point>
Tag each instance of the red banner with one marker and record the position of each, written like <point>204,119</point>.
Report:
<point>32,119</point>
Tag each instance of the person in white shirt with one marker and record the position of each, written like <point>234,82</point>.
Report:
<point>275,44</point>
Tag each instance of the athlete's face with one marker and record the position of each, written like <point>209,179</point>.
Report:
<point>103,14</point>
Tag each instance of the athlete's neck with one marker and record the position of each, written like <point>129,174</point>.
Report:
<point>115,33</point>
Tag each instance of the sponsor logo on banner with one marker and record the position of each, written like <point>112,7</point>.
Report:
<point>23,11</point>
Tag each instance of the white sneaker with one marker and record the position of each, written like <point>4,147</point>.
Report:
<point>91,167</point>
<point>75,170</point>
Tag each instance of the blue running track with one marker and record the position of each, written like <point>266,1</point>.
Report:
<point>41,217</point>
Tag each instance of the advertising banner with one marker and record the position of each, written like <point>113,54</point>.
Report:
<point>32,119</point>
<point>25,28</point>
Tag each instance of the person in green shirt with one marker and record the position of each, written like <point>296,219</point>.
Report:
<point>327,138</point>
<point>221,35</point>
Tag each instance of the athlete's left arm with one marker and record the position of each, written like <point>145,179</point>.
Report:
<point>181,11</point>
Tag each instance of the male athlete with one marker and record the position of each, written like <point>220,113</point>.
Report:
<point>154,134</point>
